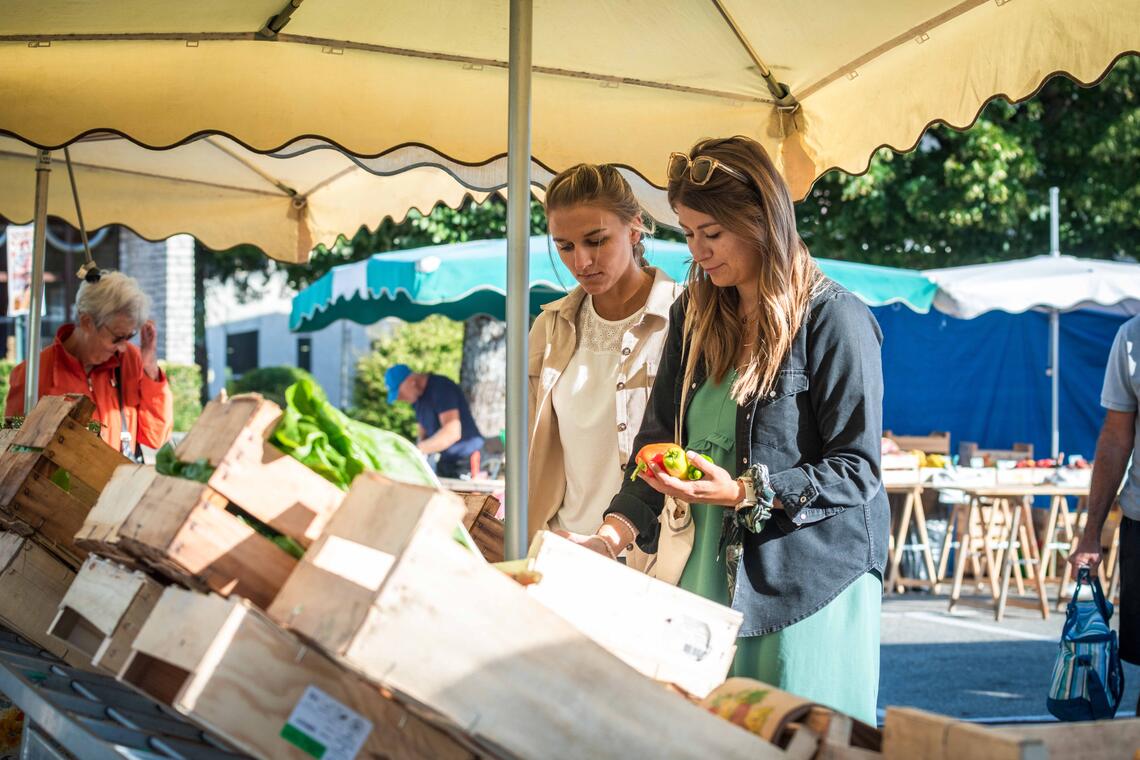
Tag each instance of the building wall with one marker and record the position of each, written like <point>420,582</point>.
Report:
<point>335,349</point>
<point>165,271</point>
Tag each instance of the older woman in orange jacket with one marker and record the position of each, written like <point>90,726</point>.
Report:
<point>94,357</point>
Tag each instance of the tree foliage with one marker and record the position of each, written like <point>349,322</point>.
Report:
<point>983,194</point>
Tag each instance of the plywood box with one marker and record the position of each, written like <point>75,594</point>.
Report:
<point>181,528</point>
<point>52,470</point>
<point>389,592</point>
<point>103,610</point>
<point>254,474</point>
<point>33,582</point>
<point>227,666</point>
<point>662,631</point>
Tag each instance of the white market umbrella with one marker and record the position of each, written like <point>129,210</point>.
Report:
<point>1052,283</point>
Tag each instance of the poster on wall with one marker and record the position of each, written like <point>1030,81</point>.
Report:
<point>19,245</point>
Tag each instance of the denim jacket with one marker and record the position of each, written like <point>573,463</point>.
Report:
<point>819,433</point>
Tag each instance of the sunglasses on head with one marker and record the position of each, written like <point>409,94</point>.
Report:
<point>699,169</point>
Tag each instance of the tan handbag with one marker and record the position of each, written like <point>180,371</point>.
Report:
<point>675,537</point>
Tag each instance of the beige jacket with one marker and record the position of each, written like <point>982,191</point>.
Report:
<point>553,341</point>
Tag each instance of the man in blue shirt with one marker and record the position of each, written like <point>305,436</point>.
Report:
<point>446,426</point>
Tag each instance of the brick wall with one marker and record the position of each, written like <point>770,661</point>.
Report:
<point>165,271</point>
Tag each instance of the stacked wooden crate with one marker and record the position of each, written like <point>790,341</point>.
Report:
<point>52,469</point>
<point>190,531</point>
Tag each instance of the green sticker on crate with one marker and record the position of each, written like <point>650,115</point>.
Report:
<point>306,743</point>
<point>324,728</point>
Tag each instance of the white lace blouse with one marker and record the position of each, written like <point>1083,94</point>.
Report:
<point>585,401</point>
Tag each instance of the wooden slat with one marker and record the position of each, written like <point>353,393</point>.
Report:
<point>255,475</point>
<point>910,733</point>
<point>15,467</point>
<point>1092,740</point>
<point>484,527</point>
<point>54,514</point>
<point>32,584</point>
<point>512,671</point>
<point>244,676</point>
<point>100,531</point>
<point>87,458</point>
<point>664,632</point>
<point>182,529</point>
<point>103,609</point>
<point>223,422</point>
<point>39,428</point>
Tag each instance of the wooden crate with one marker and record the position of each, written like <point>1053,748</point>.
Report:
<point>227,666</point>
<point>662,631</point>
<point>967,450</point>
<point>485,528</point>
<point>103,610</point>
<point>909,734</point>
<point>181,529</point>
<point>53,437</point>
<point>389,591</point>
<point>256,475</point>
<point>33,581</point>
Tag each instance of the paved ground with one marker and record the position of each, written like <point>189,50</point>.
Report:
<point>967,665</point>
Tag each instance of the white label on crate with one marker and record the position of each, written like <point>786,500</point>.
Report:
<point>325,728</point>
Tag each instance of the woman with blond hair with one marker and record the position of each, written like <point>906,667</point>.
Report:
<point>594,353</point>
<point>776,374</point>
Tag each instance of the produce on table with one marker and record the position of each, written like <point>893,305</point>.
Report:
<point>668,457</point>
<point>338,447</point>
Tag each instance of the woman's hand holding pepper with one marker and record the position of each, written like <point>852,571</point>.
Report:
<point>717,486</point>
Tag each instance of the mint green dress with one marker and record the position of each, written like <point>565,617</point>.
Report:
<point>830,657</point>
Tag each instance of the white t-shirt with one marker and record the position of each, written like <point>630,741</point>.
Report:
<point>585,402</point>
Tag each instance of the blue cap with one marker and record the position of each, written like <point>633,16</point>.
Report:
<point>395,375</point>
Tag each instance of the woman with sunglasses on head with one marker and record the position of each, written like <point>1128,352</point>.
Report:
<point>776,372</point>
<point>594,353</point>
<point>95,357</point>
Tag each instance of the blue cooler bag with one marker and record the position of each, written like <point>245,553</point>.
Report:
<point>1088,679</point>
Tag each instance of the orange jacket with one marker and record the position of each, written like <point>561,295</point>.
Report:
<point>148,405</point>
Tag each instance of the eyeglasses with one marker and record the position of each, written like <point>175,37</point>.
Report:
<point>116,339</point>
<point>700,169</point>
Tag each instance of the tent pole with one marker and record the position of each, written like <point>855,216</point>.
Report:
<point>518,276</point>
<point>1055,324</point>
<point>35,308</point>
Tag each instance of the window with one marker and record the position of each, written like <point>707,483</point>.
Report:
<point>305,354</point>
<point>241,353</point>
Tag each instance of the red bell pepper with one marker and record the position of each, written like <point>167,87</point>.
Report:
<point>668,457</point>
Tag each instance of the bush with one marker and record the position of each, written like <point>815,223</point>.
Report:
<point>5,370</point>
<point>270,382</point>
<point>433,345</point>
<point>185,382</point>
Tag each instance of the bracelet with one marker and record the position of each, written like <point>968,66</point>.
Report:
<point>627,523</point>
<point>605,543</point>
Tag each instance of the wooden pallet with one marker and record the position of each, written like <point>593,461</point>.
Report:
<point>33,581</point>
<point>54,437</point>
<point>181,529</point>
<point>103,610</point>
<point>254,474</point>
<point>389,592</point>
<point>485,528</point>
<point>230,668</point>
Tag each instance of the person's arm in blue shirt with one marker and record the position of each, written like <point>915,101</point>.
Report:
<point>449,433</point>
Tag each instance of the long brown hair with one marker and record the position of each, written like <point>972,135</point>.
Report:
<point>759,211</point>
<point>603,186</point>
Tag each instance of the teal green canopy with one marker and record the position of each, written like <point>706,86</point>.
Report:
<point>466,279</point>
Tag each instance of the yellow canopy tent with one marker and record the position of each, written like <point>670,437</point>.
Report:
<point>821,85</point>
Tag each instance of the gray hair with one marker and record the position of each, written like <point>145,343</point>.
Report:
<point>115,293</point>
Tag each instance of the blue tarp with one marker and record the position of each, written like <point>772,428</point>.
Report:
<point>984,379</point>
